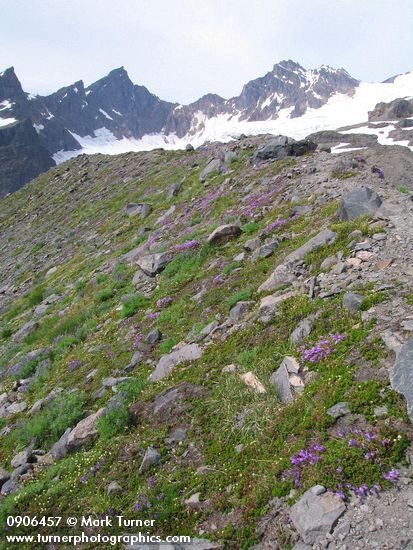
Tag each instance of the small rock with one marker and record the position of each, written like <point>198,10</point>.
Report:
<point>239,310</point>
<point>154,336</point>
<point>114,488</point>
<point>251,380</point>
<point>353,301</point>
<point>301,332</point>
<point>380,411</point>
<point>214,165</point>
<point>339,409</point>
<point>173,190</point>
<point>266,250</point>
<point>152,458</point>
<point>141,209</point>
<point>84,431</point>
<point>152,264</point>
<point>193,501</point>
<point>167,363</point>
<point>316,513</point>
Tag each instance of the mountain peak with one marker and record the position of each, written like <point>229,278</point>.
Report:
<point>10,87</point>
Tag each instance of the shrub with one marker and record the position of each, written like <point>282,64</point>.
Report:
<point>104,295</point>
<point>250,227</point>
<point>131,304</point>
<point>47,426</point>
<point>166,346</point>
<point>117,417</point>
<point>35,297</point>
<point>239,297</point>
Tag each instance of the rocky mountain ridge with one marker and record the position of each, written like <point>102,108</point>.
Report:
<point>114,115</point>
<point>217,338</point>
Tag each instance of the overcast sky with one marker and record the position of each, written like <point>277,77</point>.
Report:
<point>182,49</point>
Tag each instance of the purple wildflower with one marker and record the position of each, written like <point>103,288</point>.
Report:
<point>162,302</point>
<point>393,475</point>
<point>154,315</point>
<point>189,245</point>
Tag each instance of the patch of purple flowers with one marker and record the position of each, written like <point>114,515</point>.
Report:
<point>93,470</point>
<point>323,348</point>
<point>189,245</point>
<point>149,498</point>
<point>378,171</point>
<point>73,365</point>
<point>163,302</point>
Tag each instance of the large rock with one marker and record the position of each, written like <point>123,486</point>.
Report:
<point>358,202</point>
<point>141,209</point>
<point>401,378</point>
<point>27,329</point>
<point>152,264</point>
<point>22,458</point>
<point>167,363</point>
<point>325,237</point>
<point>266,250</point>
<point>287,381</point>
<point>316,513</point>
<point>84,431</point>
<point>59,449</point>
<point>283,273</point>
<point>4,476</point>
<point>283,146</point>
<point>214,165</point>
<point>224,233</point>
<point>174,189</point>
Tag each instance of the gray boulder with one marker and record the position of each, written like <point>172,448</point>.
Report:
<point>324,238</point>
<point>239,310</point>
<point>229,157</point>
<point>359,202</point>
<point>152,264</point>
<point>283,146</point>
<point>300,333</point>
<point>153,336</point>
<point>266,250</point>
<point>22,458</point>
<point>4,475</point>
<point>173,190</point>
<point>401,378</point>
<point>353,301</point>
<point>168,362</point>
<point>316,513</point>
<point>214,165</point>
<point>224,233</point>
<point>151,458</point>
<point>11,486</point>
<point>27,329</point>
<point>59,449</point>
<point>84,431</point>
<point>338,410</point>
<point>113,488</point>
<point>283,273</point>
<point>141,209</point>
<point>16,407</point>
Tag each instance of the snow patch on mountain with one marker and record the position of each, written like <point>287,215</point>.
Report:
<point>340,110</point>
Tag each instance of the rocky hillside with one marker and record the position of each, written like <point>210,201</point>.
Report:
<point>217,340</point>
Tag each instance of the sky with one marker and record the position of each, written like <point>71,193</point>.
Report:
<point>183,49</point>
